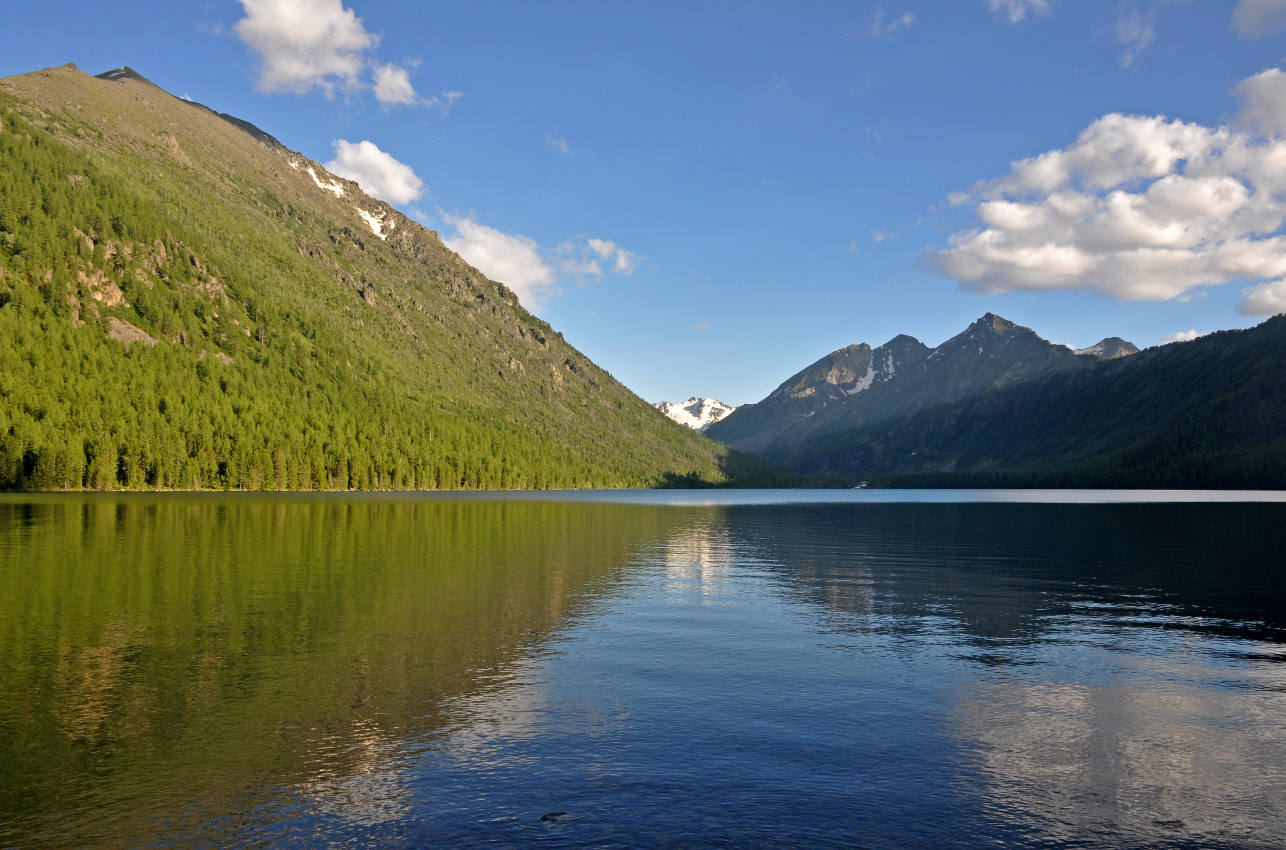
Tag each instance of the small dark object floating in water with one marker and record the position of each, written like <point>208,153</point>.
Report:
<point>552,817</point>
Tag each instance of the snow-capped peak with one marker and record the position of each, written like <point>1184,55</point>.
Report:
<point>697,413</point>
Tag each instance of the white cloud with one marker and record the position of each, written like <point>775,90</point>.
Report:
<point>1139,208</point>
<point>1266,299</point>
<point>444,101</point>
<point>581,268</point>
<point>393,86</point>
<point>1183,336</point>
<point>557,142</point>
<point>1135,30</point>
<point>852,247</point>
<point>1015,10</point>
<point>701,326</point>
<point>1258,18</point>
<point>1263,102</point>
<point>305,44</point>
<point>623,261</point>
<point>883,26</point>
<point>511,259</point>
<point>878,236</point>
<point>377,172</point>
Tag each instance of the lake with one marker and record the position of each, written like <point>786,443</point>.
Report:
<point>673,669</point>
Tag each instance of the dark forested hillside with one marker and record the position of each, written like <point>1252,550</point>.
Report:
<point>1206,413</point>
<point>184,303</point>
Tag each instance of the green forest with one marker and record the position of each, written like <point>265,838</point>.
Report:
<point>176,313</point>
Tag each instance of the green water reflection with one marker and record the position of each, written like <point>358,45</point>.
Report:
<point>169,658</point>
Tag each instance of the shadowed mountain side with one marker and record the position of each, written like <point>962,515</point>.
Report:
<point>858,385</point>
<point>1206,413</point>
<point>235,643</point>
<point>188,304</point>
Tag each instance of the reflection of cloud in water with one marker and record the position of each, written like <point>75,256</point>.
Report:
<point>1164,755</point>
<point>698,559</point>
<point>361,776</point>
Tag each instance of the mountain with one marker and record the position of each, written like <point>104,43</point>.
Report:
<point>1206,413</point>
<point>1111,348</point>
<point>859,385</point>
<point>186,303</point>
<point>696,413</point>
<point>827,383</point>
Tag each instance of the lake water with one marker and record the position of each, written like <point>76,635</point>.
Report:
<point>740,669</point>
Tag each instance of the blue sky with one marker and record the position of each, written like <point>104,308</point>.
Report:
<point>706,197</point>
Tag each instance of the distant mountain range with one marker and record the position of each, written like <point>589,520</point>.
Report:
<point>997,405</point>
<point>696,413</point>
<point>185,303</point>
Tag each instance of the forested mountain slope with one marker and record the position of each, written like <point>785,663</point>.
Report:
<point>185,303</point>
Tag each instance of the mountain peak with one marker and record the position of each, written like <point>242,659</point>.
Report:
<point>1111,348</point>
<point>697,413</point>
<point>125,72</point>
<point>997,324</point>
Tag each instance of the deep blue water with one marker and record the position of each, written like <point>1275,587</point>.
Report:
<point>682,669</point>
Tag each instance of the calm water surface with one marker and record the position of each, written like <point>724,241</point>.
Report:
<point>729,669</point>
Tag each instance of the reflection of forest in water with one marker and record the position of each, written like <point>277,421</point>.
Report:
<point>160,653</point>
<point>1005,574</point>
<point>1122,664</point>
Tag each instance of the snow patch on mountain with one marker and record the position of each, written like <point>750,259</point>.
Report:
<point>333,186</point>
<point>377,223</point>
<point>696,413</point>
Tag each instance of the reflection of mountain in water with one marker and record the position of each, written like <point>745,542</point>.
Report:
<point>698,558</point>
<point>200,649</point>
<point>1009,574</point>
<point>1120,665</point>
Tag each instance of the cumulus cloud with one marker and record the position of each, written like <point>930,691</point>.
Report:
<point>1266,299</point>
<point>377,172</point>
<point>1263,102</point>
<point>1138,208</point>
<point>1183,336</point>
<point>305,44</point>
<point>1015,10</point>
<point>319,44</point>
<point>1258,18</point>
<point>534,272</point>
<point>623,261</point>
<point>393,86</point>
<point>511,259</point>
<point>884,26</point>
